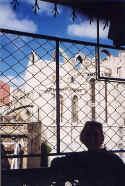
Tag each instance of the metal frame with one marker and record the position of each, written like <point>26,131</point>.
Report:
<point>58,40</point>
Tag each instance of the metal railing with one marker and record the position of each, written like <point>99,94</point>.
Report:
<point>56,83</point>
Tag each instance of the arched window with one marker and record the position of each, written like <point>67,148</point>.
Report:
<point>61,107</point>
<point>75,108</point>
<point>92,85</point>
<point>78,62</point>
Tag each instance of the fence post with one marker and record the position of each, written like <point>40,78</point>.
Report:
<point>57,97</point>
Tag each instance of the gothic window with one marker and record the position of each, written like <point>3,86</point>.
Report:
<point>78,62</point>
<point>119,71</point>
<point>92,85</point>
<point>75,108</point>
<point>61,107</point>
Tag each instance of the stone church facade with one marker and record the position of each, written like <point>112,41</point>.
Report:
<point>82,98</point>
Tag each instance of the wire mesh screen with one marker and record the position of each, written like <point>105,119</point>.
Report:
<point>111,65</point>
<point>48,90</point>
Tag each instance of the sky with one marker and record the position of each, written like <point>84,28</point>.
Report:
<point>24,19</point>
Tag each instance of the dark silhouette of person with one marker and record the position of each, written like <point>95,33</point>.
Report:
<point>98,167</point>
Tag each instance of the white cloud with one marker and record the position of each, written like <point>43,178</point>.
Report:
<point>86,29</point>
<point>9,20</point>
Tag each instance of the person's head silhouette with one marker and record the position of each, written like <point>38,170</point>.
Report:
<point>92,135</point>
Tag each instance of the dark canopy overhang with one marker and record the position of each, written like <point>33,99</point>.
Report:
<point>112,11</point>
<point>77,3</point>
<point>103,8</point>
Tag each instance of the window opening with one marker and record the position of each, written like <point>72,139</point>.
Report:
<point>61,107</point>
<point>75,108</point>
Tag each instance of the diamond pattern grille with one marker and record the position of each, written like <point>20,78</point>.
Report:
<point>29,94</point>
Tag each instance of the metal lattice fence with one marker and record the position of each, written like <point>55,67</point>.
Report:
<point>49,89</point>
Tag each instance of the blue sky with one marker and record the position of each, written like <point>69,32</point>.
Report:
<point>24,19</point>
